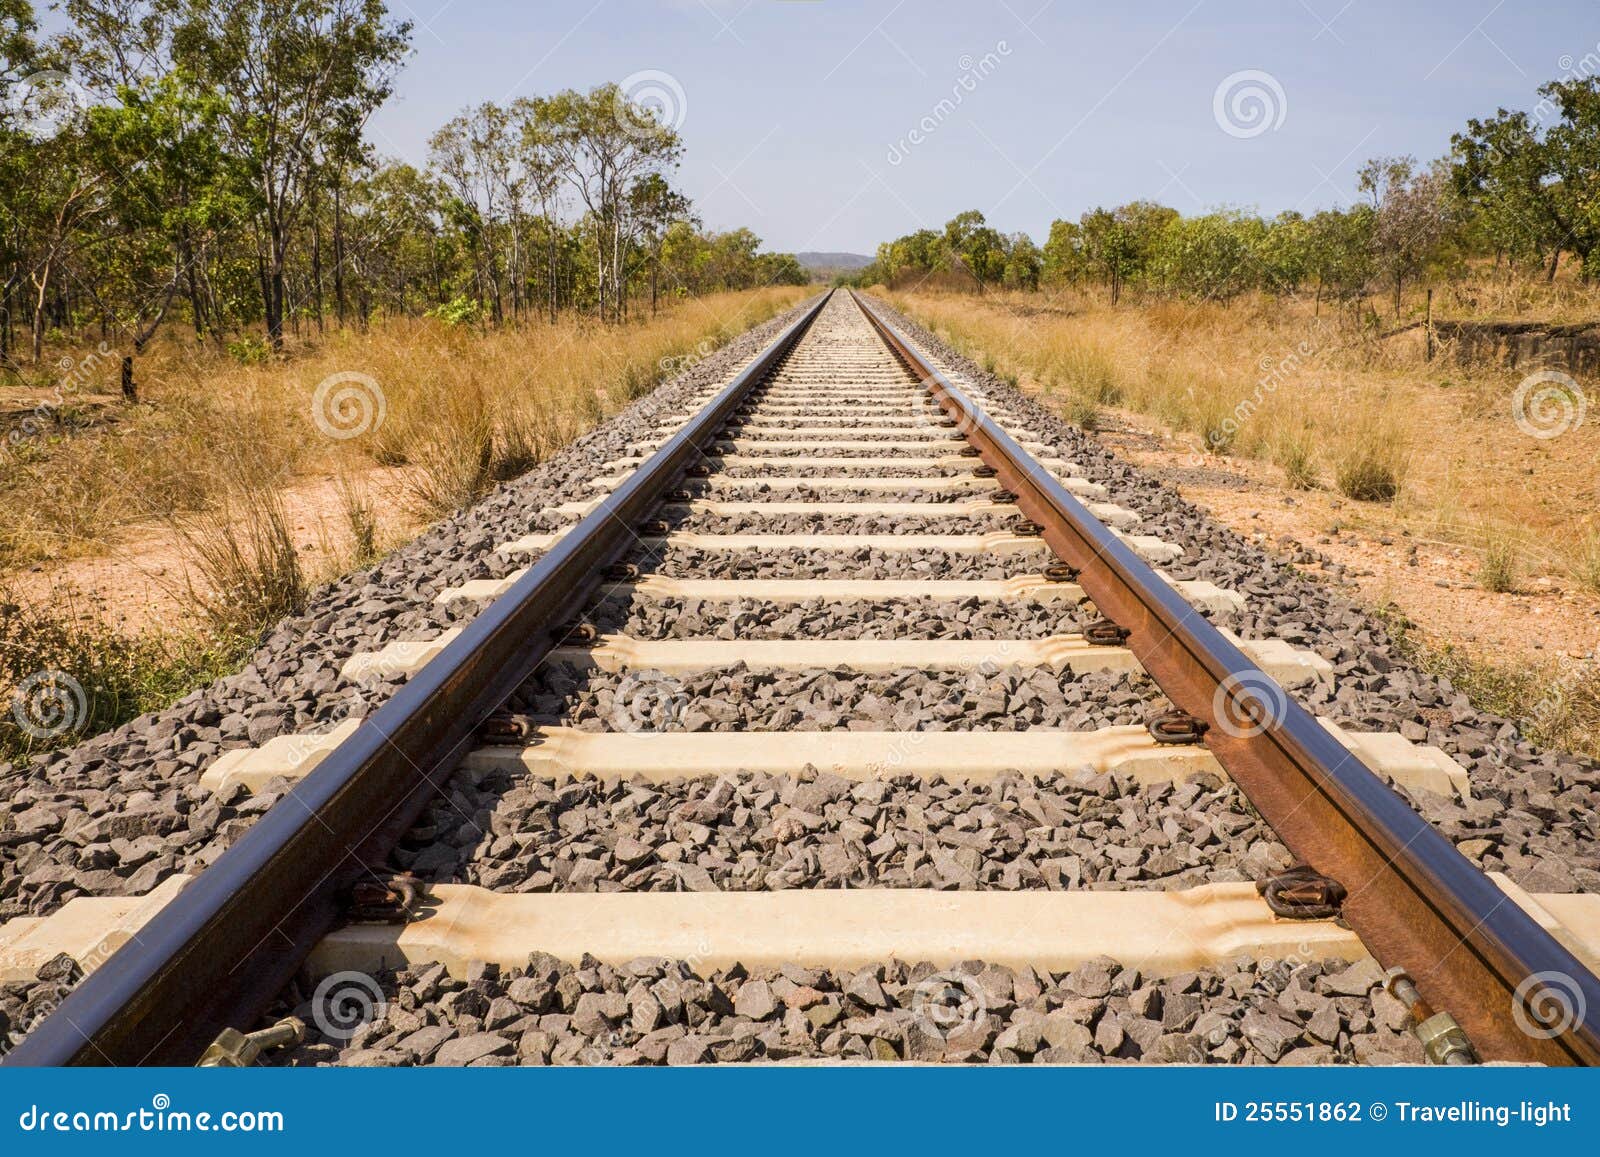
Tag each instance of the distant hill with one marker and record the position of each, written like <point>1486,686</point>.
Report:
<point>833,261</point>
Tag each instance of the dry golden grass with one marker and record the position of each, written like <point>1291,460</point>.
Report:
<point>210,456</point>
<point>1319,396</point>
<point>459,408</point>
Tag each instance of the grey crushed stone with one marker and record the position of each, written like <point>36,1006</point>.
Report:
<point>118,813</point>
<point>663,1012</point>
<point>675,618</point>
<point>755,832</point>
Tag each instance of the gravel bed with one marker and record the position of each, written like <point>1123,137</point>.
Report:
<point>116,814</point>
<point>818,444</point>
<point>119,813</point>
<point>25,1003</point>
<point>653,1012</point>
<point>757,832</point>
<point>817,522</point>
<point>992,698</point>
<point>674,618</point>
<point>727,475</point>
<point>747,488</point>
<point>864,563</point>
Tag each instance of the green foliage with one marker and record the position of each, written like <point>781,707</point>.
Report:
<point>1534,181</point>
<point>459,310</point>
<point>1518,185</point>
<point>120,676</point>
<point>249,350</point>
<point>210,164</point>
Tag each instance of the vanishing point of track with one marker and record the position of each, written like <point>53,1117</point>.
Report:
<point>840,403</point>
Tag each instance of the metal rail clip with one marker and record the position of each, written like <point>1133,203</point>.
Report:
<point>392,901</point>
<point>569,633</point>
<point>1302,893</point>
<point>503,727</point>
<point>1105,633</point>
<point>1177,727</point>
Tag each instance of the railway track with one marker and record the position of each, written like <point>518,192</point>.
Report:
<point>846,665</point>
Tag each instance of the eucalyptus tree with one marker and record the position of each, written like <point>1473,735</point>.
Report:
<point>18,51</point>
<point>295,77</point>
<point>1573,142</point>
<point>1411,216</point>
<point>472,155</point>
<point>168,192</point>
<point>653,208</point>
<point>540,160</point>
<point>605,144</point>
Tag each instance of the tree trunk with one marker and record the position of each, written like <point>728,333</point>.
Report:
<point>130,391</point>
<point>196,305</point>
<point>277,244</point>
<point>43,283</point>
<point>1555,260</point>
<point>338,250</point>
<point>316,271</point>
<point>553,291</point>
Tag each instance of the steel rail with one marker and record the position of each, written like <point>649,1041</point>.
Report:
<point>228,944</point>
<point>1414,900</point>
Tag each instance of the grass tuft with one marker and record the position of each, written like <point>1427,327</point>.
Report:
<point>1370,465</point>
<point>1500,568</point>
<point>66,647</point>
<point>1584,563</point>
<point>1555,703</point>
<point>1081,412</point>
<point>248,568</point>
<point>1292,454</point>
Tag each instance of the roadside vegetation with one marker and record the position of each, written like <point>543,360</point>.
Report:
<point>1555,703</point>
<point>224,316</point>
<point>1365,351</point>
<point>448,410</point>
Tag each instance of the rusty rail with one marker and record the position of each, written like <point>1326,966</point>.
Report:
<point>218,954</point>
<point>1413,899</point>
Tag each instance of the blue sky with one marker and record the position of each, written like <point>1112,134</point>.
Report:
<point>796,114</point>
